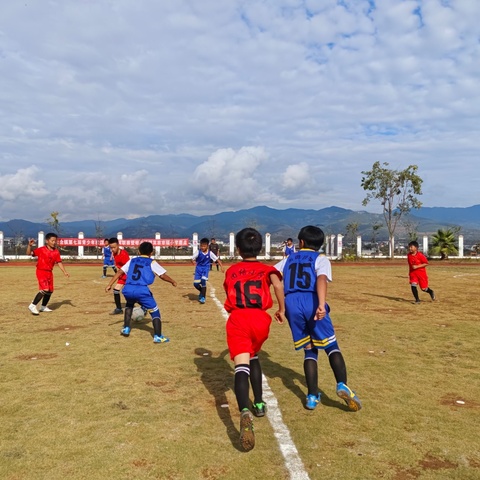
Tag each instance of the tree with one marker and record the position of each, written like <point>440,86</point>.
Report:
<point>396,190</point>
<point>411,228</point>
<point>375,228</point>
<point>54,222</point>
<point>443,243</point>
<point>352,230</point>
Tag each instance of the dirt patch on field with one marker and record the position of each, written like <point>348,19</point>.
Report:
<point>405,473</point>
<point>156,384</point>
<point>37,356</point>
<point>434,463</point>
<point>457,401</point>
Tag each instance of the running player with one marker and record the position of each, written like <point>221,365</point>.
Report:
<point>247,285</point>
<point>47,256</point>
<point>201,259</point>
<point>305,277</point>
<point>121,257</point>
<point>140,273</point>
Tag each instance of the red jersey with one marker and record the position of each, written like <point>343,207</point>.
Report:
<point>416,259</point>
<point>46,258</point>
<point>247,285</point>
<point>121,258</point>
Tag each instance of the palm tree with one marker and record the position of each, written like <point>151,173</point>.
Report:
<point>443,243</point>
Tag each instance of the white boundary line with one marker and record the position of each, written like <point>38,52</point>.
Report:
<point>293,462</point>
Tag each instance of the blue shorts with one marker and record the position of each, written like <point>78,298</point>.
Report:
<point>201,273</point>
<point>300,311</point>
<point>140,294</point>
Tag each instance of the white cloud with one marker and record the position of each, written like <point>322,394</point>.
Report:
<point>297,176</point>
<point>22,185</point>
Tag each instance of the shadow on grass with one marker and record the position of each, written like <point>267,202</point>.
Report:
<point>393,299</point>
<point>56,305</point>
<point>216,373</point>
<point>290,378</point>
<point>191,296</point>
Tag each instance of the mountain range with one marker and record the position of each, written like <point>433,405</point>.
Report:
<point>279,223</point>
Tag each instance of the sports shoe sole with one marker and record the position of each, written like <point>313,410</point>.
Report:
<point>247,436</point>
<point>353,403</point>
<point>259,412</point>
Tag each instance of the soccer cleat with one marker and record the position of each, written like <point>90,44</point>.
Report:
<point>117,311</point>
<point>33,309</point>
<point>349,396</point>
<point>259,409</point>
<point>160,339</point>
<point>416,302</point>
<point>201,299</point>
<point>45,309</point>
<point>312,401</point>
<point>247,435</point>
<point>432,296</point>
<point>104,276</point>
<point>125,331</point>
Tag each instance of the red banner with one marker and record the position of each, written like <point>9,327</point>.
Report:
<point>126,242</point>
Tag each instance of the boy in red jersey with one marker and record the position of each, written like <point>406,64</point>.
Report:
<point>47,256</point>
<point>417,263</point>
<point>121,257</point>
<point>247,285</point>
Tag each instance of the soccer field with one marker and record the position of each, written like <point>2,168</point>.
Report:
<point>80,401</point>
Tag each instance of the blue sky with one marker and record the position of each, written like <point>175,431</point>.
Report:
<point>120,108</point>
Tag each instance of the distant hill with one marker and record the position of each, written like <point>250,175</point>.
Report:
<point>279,223</point>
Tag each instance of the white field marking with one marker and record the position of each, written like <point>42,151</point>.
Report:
<point>466,275</point>
<point>293,462</point>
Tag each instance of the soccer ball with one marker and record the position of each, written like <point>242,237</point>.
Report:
<point>138,314</point>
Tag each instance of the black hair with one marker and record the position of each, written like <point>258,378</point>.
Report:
<point>289,239</point>
<point>313,237</point>
<point>113,240</point>
<point>105,240</point>
<point>50,235</point>
<point>249,242</point>
<point>413,243</point>
<point>145,248</point>
<point>204,240</point>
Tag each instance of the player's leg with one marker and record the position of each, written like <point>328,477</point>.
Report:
<point>104,275</point>
<point>259,406</point>
<point>117,290</point>
<point>43,286</point>
<point>310,368</point>
<point>423,284</point>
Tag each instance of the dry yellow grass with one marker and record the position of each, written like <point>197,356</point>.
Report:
<point>108,407</point>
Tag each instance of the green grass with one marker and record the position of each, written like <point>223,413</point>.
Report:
<point>108,407</point>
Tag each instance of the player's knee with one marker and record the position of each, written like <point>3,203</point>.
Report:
<point>311,354</point>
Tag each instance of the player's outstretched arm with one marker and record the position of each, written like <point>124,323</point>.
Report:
<point>62,268</point>
<point>119,273</point>
<point>278,289</point>
<point>221,264</point>
<point>168,279</point>
<point>31,243</point>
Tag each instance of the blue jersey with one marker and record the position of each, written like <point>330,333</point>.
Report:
<point>107,256</point>
<point>289,250</point>
<point>140,271</point>
<point>299,273</point>
<point>203,259</point>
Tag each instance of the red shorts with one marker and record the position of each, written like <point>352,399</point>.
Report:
<point>45,280</point>
<point>247,330</point>
<point>419,278</point>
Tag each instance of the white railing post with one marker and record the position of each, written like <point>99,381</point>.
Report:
<point>1,244</point>
<point>157,249</point>
<point>267,246</point>
<point>339,245</point>
<point>460,246</point>
<point>41,239</point>
<point>195,243</point>
<point>81,249</point>
<point>359,246</point>
<point>425,245</point>
<point>231,245</point>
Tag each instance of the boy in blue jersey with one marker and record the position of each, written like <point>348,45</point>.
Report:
<point>289,248</point>
<point>140,272</point>
<point>305,277</point>
<point>202,259</point>
<point>107,256</point>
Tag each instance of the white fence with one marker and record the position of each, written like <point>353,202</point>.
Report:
<point>334,248</point>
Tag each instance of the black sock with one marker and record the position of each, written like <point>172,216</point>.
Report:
<point>127,318</point>
<point>116,297</point>
<point>104,271</point>
<point>242,372</point>
<point>430,292</point>
<point>415,293</point>
<point>115,269</point>
<point>337,363</point>
<point>203,291</point>
<point>310,368</point>
<point>157,326</point>
<point>198,287</point>
<point>256,379</point>
<point>37,298</point>
<point>46,299</point>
